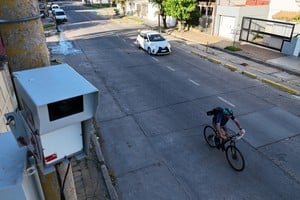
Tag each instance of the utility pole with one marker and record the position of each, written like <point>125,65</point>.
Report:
<point>22,32</point>
<point>23,38</point>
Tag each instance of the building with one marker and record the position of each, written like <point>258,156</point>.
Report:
<point>229,13</point>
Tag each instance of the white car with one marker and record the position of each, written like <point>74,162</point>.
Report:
<point>55,6</point>
<point>153,42</point>
<point>59,15</point>
<point>52,7</point>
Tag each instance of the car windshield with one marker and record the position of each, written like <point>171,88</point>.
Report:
<point>60,13</point>
<point>156,38</point>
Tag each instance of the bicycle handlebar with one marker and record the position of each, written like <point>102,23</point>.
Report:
<point>237,136</point>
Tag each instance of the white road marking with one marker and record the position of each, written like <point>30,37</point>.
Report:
<point>227,102</point>
<point>194,82</point>
<point>296,97</point>
<point>155,59</point>
<point>171,68</point>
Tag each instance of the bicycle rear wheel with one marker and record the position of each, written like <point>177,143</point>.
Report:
<point>235,158</point>
<point>210,135</point>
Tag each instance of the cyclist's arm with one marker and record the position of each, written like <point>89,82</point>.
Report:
<point>237,123</point>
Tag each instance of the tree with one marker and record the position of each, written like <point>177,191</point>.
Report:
<point>123,5</point>
<point>180,9</point>
<point>161,12</point>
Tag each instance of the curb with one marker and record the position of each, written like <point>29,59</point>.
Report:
<point>214,60</point>
<point>232,68</point>
<point>111,190</point>
<point>282,87</point>
<point>199,54</point>
<point>250,75</point>
<point>256,60</point>
<point>241,56</point>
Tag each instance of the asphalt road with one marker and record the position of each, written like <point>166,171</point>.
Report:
<point>152,113</point>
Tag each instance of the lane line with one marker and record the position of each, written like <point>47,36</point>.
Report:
<point>155,59</point>
<point>194,82</point>
<point>227,102</point>
<point>171,68</point>
<point>297,97</point>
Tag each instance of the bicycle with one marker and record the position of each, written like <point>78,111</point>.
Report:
<point>233,154</point>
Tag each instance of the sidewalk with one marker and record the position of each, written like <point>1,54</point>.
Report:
<point>290,64</point>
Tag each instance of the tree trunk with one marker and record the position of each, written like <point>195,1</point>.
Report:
<point>24,40</point>
<point>164,17</point>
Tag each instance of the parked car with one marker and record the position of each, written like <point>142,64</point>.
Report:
<point>153,42</point>
<point>53,7</point>
<point>59,15</point>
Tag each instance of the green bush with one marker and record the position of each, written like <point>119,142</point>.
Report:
<point>232,48</point>
<point>49,26</point>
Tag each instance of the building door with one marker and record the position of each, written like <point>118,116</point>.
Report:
<point>227,27</point>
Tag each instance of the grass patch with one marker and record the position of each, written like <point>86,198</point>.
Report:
<point>232,48</point>
<point>49,26</point>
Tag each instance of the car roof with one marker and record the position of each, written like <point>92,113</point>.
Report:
<point>149,32</point>
<point>59,10</point>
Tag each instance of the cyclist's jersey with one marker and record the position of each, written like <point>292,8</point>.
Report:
<point>220,118</point>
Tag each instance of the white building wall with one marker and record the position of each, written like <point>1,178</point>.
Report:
<point>283,5</point>
<point>238,13</point>
<point>152,12</point>
<point>153,16</point>
<point>231,2</point>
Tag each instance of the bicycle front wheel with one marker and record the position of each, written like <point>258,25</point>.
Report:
<point>235,158</point>
<point>210,135</point>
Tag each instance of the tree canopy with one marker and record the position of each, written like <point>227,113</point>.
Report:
<point>180,9</point>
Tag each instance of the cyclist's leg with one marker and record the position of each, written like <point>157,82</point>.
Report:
<point>218,138</point>
<point>214,121</point>
<point>225,132</point>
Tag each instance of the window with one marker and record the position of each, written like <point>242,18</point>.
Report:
<point>64,108</point>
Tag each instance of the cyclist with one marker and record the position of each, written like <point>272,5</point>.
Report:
<point>220,118</point>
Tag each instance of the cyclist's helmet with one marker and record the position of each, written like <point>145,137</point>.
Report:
<point>227,111</point>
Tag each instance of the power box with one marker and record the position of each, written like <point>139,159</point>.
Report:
<point>56,104</point>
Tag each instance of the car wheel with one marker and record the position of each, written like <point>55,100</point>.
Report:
<point>149,51</point>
